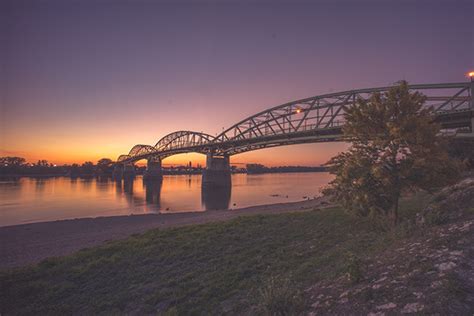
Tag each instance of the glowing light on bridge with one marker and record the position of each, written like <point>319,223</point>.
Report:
<point>471,75</point>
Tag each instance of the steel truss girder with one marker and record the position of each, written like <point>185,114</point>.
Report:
<point>314,119</point>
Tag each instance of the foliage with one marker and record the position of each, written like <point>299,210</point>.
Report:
<point>280,297</point>
<point>463,149</point>
<point>395,148</point>
<point>353,268</point>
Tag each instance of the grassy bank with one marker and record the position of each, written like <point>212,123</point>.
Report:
<point>210,268</point>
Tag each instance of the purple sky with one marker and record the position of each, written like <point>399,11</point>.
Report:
<point>81,80</point>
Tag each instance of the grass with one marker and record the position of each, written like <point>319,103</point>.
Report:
<point>202,269</point>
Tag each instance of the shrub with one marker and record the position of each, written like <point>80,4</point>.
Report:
<point>279,297</point>
<point>353,268</point>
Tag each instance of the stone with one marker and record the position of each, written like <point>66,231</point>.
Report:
<point>412,308</point>
<point>387,306</point>
<point>376,314</point>
<point>445,266</point>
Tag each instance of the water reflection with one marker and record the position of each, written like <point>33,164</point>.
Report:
<point>118,186</point>
<point>24,200</point>
<point>128,186</point>
<point>153,191</point>
<point>215,197</point>
<point>103,183</point>
<point>87,183</point>
<point>40,185</point>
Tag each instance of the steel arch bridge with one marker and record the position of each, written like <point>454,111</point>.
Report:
<point>316,119</point>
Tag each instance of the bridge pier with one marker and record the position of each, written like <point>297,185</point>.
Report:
<point>128,171</point>
<point>217,172</point>
<point>117,172</point>
<point>153,169</point>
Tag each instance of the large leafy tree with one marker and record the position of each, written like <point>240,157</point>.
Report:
<point>395,148</point>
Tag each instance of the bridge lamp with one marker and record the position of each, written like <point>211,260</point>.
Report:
<point>471,75</point>
<point>299,110</point>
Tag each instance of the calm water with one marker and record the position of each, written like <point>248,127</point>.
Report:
<point>27,200</point>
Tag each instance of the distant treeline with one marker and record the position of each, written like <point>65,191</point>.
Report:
<point>19,166</point>
<point>258,168</point>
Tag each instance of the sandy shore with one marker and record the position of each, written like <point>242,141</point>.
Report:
<point>30,243</point>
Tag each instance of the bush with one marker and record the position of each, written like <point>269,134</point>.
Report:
<point>279,297</point>
<point>353,268</point>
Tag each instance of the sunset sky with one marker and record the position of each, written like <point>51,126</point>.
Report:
<point>82,80</point>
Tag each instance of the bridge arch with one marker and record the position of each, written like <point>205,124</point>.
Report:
<point>171,144</point>
<point>181,139</point>
<point>139,150</point>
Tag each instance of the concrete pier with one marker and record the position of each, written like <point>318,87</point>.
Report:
<point>217,172</point>
<point>128,171</point>
<point>153,169</point>
<point>117,172</point>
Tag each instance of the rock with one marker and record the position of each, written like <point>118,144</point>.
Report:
<point>387,306</point>
<point>412,308</point>
<point>445,266</point>
<point>455,254</point>
<point>376,314</point>
<point>381,279</point>
<point>448,204</point>
<point>344,293</point>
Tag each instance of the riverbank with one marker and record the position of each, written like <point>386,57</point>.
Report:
<point>30,243</point>
<point>317,261</point>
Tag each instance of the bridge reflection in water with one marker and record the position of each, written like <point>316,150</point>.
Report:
<point>212,197</point>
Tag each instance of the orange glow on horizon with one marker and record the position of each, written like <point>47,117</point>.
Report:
<point>309,155</point>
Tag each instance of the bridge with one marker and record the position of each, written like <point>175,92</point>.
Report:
<point>311,120</point>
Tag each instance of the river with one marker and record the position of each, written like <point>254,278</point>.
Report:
<point>28,200</point>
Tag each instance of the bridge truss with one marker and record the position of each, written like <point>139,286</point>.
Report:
<point>316,119</point>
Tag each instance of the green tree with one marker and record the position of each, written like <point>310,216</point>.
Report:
<point>395,148</point>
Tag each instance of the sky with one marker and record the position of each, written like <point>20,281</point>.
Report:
<point>82,80</point>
